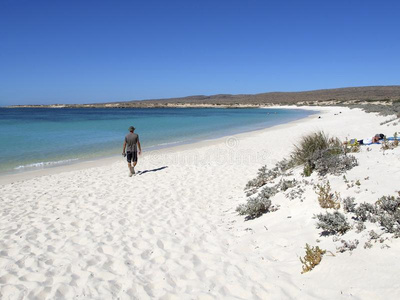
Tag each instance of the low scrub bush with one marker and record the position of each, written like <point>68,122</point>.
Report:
<point>388,209</point>
<point>368,245</point>
<point>262,178</point>
<point>349,205</point>
<point>389,204</point>
<point>266,175</point>
<point>360,226</point>
<point>287,184</point>
<point>260,204</point>
<point>373,235</point>
<point>390,145</point>
<point>284,166</point>
<point>365,212</point>
<point>254,207</point>
<point>389,223</point>
<point>251,191</point>
<point>268,192</point>
<point>326,163</point>
<point>296,193</point>
<point>312,258</point>
<point>347,245</point>
<point>386,212</point>
<point>332,223</point>
<point>384,110</point>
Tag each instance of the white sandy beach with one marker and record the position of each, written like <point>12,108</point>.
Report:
<point>172,232</point>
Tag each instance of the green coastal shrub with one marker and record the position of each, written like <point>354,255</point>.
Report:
<point>385,212</point>
<point>323,154</point>
<point>333,223</point>
<point>263,176</point>
<point>254,207</point>
<point>388,210</point>
<point>326,163</point>
<point>349,204</point>
<point>347,245</point>
<point>312,143</point>
<point>260,204</point>
<point>266,175</point>
<point>366,212</point>
<point>287,184</point>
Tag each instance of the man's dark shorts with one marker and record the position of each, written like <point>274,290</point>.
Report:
<point>131,156</point>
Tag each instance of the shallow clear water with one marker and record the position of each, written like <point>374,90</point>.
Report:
<point>42,137</point>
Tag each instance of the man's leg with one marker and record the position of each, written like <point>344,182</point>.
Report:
<point>131,171</point>
<point>134,161</point>
<point>129,159</point>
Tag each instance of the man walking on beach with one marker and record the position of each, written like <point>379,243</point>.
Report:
<point>131,144</point>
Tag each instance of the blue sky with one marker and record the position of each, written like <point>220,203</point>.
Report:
<point>95,51</point>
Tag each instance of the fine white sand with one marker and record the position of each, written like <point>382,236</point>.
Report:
<point>172,232</point>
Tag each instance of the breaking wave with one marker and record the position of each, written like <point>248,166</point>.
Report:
<point>46,164</point>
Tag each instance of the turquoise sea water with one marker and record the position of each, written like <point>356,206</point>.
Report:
<point>39,138</point>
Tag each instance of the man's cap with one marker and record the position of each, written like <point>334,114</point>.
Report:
<point>131,128</point>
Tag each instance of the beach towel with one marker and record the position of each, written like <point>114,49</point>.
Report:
<point>364,144</point>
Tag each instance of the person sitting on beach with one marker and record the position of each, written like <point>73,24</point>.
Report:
<point>131,144</point>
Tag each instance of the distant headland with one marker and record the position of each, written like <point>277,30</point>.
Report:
<point>338,96</point>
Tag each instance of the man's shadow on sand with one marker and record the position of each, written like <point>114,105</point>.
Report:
<point>154,170</point>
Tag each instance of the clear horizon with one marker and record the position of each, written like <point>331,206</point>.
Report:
<point>104,51</point>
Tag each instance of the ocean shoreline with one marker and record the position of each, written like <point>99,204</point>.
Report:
<point>56,167</point>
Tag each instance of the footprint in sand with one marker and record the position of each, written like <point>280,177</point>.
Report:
<point>160,244</point>
<point>146,254</point>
